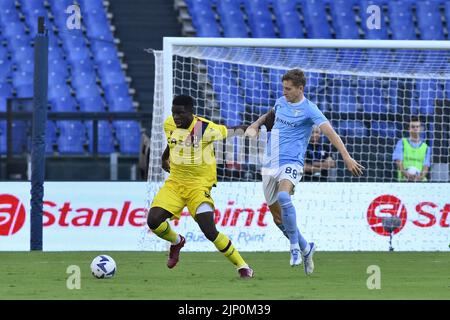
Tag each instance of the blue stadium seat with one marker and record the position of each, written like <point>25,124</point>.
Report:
<point>128,134</point>
<point>315,85</point>
<point>447,16</point>
<point>78,53</point>
<point>446,86</point>
<point>316,23</point>
<point>5,68</point>
<point>344,20</point>
<point>81,79</point>
<point>98,31</point>
<point>55,53</point>
<point>104,51</point>
<point>232,19</point>
<point>5,92</point>
<point>60,5</point>
<point>94,13</point>
<point>72,137</point>
<point>427,91</point>
<point>9,17</point>
<point>56,78</point>
<point>97,24</point>
<point>254,86</point>
<point>24,91</point>
<point>21,78</point>
<point>23,54</point>
<point>64,104</point>
<point>13,28</point>
<point>203,18</point>
<point>260,18</point>
<point>373,34</point>
<point>58,65</point>
<point>82,66</point>
<point>86,89</point>
<point>111,72</point>
<point>385,129</point>
<point>92,103</point>
<point>429,20</point>
<point>72,39</point>
<point>276,86</point>
<point>288,19</point>
<point>116,90</point>
<point>106,141</point>
<point>231,108</point>
<point>19,40</point>
<point>120,104</point>
<point>351,128</point>
<point>401,20</point>
<point>347,99</point>
<point>7,4</point>
<point>3,52</point>
<point>61,99</point>
<point>91,5</point>
<point>33,9</point>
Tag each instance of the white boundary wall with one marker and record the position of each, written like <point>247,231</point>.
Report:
<point>334,215</point>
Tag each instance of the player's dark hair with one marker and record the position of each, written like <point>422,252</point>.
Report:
<point>296,76</point>
<point>184,100</point>
<point>414,119</point>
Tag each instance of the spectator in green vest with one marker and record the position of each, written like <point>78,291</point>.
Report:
<point>412,155</point>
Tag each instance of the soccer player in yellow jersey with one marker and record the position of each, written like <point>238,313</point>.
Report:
<point>189,157</point>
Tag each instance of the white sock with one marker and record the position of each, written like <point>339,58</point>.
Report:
<point>295,247</point>
<point>178,240</point>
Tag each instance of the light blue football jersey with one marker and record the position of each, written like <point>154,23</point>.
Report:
<point>291,132</point>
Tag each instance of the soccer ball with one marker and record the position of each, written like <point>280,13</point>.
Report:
<point>413,171</point>
<point>103,266</point>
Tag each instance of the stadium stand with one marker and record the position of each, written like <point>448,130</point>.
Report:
<point>86,73</point>
<point>340,19</point>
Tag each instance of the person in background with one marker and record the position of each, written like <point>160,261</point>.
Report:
<point>318,159</point>
<point>412,155</point>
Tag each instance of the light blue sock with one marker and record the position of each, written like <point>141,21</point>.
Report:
<point>290,220</point>
<point>283,229</point>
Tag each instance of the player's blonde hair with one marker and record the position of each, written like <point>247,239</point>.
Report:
<point>296,76</point>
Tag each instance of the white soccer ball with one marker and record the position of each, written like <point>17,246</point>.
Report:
<point>413,171</point>
<point>103,266</point>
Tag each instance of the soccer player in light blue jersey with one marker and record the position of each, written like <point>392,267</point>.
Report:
<point>293,119</point>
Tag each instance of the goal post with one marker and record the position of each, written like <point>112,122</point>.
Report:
<point>368,89</point>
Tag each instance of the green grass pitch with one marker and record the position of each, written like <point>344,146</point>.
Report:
<point>199,276</point>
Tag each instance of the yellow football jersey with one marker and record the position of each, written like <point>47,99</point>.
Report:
<point>192,157</point>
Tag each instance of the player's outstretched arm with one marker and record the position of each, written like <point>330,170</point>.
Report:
<point>266,119</point>
<point>165,163</point>
<point>353,166</point>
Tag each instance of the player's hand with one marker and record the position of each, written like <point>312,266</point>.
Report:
<point>330,163</point>
<point>408,176</point>
<point>353,166</point>
<point>166,165</point>
<point>252,131</point>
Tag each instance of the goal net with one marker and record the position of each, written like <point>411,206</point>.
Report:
<point>369,90</point>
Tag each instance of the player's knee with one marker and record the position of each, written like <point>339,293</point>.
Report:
<point>212,235</point>
<point>277,220</point>
<point>153,220</point>
<point>284,198</point>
